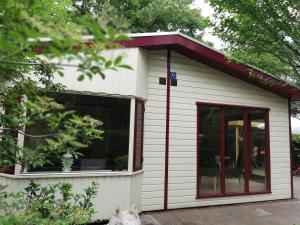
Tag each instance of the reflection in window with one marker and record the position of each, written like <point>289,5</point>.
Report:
<point>234,150</point>
<point>111,153</point>
<point>257,172</point>
<point>138,136</point>
<point>209,150</point>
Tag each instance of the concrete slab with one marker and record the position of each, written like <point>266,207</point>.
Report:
<point>267,213</point>
<point>262,212</point>
<point>148,220</point>
<point>297,187</point>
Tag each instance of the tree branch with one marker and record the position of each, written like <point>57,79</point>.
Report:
<point>37,64</point>
<point>29,135</point>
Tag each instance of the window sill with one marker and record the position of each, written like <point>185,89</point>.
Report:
<point>37,175</point>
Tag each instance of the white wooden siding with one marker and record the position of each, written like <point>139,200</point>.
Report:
<point>198,82</point>
<point>123,190</point>
<point>154,138</point>
<point>123,82</point>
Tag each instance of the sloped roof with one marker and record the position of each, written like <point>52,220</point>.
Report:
<point>205,54</point>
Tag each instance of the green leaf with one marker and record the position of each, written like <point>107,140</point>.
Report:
<point>108,64</point>
<point>89,75</point>
<point>118,60</point>
<point>60,73</point>
<point>122,38</point>
<point>81,77</point>
<point>125,66</point>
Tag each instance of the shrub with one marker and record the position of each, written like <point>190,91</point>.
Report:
<point>47,205</point>
<point>296,141</point>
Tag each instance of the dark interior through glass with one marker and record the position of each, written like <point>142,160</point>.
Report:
<point>111,153</point>
<point>258,146</point>
<point>210,150</point>
<point>139,135</point>
<point>234,150</point>
<point>245,140</point>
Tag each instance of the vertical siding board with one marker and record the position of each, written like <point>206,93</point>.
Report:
<point>154,116</point>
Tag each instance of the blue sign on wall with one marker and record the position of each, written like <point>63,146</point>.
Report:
<point>173,75</point>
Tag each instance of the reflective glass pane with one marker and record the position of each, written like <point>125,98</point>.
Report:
<point>139,135</point>
<point>234,150</point>
<point>209,150</point>
<point>257,151</point>
<point>111,153</point>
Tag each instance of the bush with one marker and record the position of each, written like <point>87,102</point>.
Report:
<point>296,141</point>
<point>47,205</point>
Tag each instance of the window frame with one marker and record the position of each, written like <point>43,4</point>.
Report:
<point>246,145</point>
<point>134,167</point>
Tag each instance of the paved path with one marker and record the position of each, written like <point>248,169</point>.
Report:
<point>271,213</point>
<point>267,213</point>
<point>297,187</point>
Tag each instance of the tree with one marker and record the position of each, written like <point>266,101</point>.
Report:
<point>264,33</point>
<point>38,38</point>
<point>153,15</point>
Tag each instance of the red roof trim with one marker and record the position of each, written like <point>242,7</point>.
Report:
<point>215,59</point>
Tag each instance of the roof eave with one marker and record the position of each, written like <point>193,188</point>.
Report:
<point>213,58</point>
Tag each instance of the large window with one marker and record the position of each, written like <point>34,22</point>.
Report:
<point>232,150</point>
<point>111,153</point>
<point>138,135</point>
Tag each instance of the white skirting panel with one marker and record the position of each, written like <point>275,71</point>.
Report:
<point>115,190</point>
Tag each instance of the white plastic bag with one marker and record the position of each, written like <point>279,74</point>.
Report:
<point>126,217</point>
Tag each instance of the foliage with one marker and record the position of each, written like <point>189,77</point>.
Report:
<point>66,132</point>
<point>122,162</point>
<point>52,28</point>
<point>47,205</point>
<point>38,39</point>
<point>295,109</point>
<point>262,33</point>
<point>296,141</point>
<point>153,15</point>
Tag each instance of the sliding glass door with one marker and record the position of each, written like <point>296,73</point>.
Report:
<point>258,150</point>
<point>234,157</point>
<point>232,150</point>
<point>210,145</point>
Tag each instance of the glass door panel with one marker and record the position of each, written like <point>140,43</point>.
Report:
<point>209,150</point>
<point>234,150</point>
<point>257,151</point>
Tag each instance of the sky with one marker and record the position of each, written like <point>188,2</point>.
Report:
<point>207,10</point>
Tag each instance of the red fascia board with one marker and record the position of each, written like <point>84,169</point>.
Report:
<point>295,96</point>
<point>211,58</point>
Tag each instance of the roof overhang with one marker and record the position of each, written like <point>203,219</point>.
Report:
<point>203,53</point>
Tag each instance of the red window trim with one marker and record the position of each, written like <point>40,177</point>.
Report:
<point>232,106</point>
<point>138,101</point>
<point>246,144</point>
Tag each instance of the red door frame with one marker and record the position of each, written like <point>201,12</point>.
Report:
<point>246,149</point>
